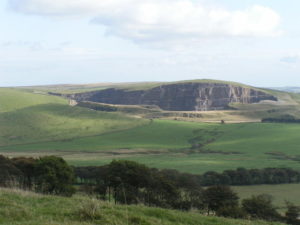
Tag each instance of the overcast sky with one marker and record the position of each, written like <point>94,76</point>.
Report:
<point>256,42</point>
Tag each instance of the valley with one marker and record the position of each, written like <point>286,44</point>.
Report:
<point>35,123</point>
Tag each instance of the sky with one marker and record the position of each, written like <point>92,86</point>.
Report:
<point>256,42</point>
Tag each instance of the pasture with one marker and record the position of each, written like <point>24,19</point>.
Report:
<point>34,124</point>
<point>280,193</point>
<point>12,99</point>
<point>186,146</point>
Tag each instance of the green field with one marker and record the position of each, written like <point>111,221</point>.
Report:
<point>12,99</point>
<point>280,193</point>
<point>27,117</point>
<point>167,144</point>
<point>26,208</point>
<point>34,124</point>
<point>58,122</point>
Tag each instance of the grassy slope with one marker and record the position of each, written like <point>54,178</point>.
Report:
<point>69,88</point>
<point>257,138</point>
<point>17,207</point>
<point>63,130</point>
<point>160,134</point>
<point>27,117</point>
<point>12,99</point>
<point>165,144</point>
<point>58,122</point>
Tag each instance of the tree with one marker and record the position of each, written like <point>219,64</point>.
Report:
<point>292,214</point>
<point>10,175</point>
<point>54,176</point>
<point>217,197</point>
<point>261,207</point>
<point>26,165</point>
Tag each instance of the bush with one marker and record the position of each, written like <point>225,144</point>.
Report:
<point>261,207</point>
<point>89,210</point>
<point>232,212</point>
<point>54,176</point>
<point>292,214</point>
<point>217,197</point>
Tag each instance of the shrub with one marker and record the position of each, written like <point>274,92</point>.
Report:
<point>54,176</point>
<point>261,207</point>
<point>232,212</point>
<point>217,197</point>
<point>292,214</point>
<point>89,210</point>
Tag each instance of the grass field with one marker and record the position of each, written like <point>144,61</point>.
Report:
<point>34,124</point>
<point>280,193</point>
<point>28,116</point>
<point>25,208</point>
<point>167,144</point>
<point>12,99</point>
<point>156,135</point>
<point>58,122</point>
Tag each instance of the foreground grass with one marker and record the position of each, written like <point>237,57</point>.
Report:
<point>19,207</point>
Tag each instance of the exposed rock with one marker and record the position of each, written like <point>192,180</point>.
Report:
<point>179,97</point>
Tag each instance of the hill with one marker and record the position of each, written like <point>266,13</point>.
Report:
<point>76,88</point>
<point>180,96</point>
<point>186,146</point>
<point>13,98</point>
<point>34,123</point>
<point>26,208</point>
<point>28,117</point>
<point>212,95</point>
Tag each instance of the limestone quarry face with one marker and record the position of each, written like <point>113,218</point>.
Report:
<point>179,97</point>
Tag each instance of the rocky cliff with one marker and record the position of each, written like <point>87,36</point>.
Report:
<point>179,96</point>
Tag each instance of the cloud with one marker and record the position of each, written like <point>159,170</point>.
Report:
<point>161,20</point>
<point>32,45</point>
<point>290,59</point>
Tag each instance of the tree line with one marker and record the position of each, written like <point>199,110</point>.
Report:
<point>238,177</point>
<point>128,182</point>
<point>48,175</point>
<point>282,119</point>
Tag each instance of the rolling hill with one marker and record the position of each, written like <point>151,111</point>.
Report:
<point>29,117</point>
<point>34,123</point>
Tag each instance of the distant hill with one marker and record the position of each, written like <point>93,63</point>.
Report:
<point>194,95</point>
<point>288,89</point>
<point>173,97</point>
<point>34,123</point>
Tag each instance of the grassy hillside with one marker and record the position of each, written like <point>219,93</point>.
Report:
<point>168,144</point>
<point>19,207</point>
<point>76,88</point>
<point>88,137</point>
<point>50,122</point>
<point>156,135</point>
<point>30,117</point>
<point>12,99</point>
